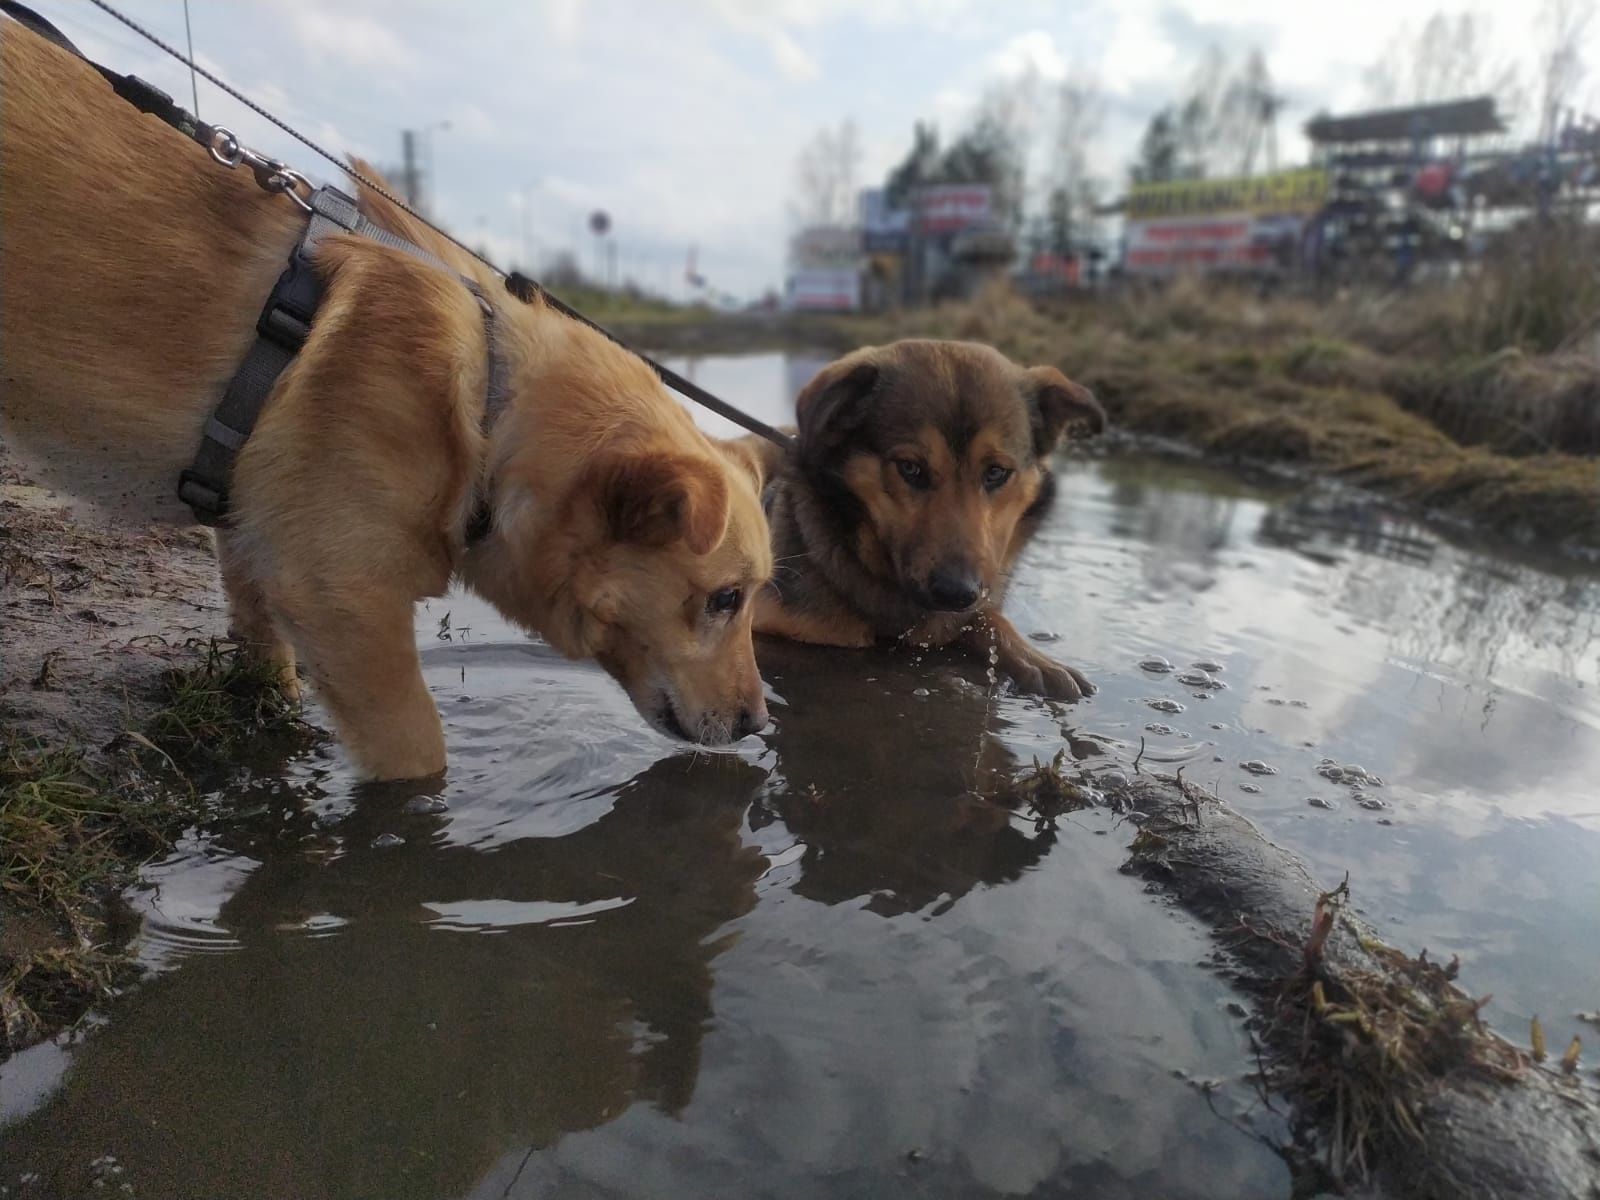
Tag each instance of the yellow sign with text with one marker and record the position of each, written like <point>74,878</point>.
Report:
<point>1299,191</point>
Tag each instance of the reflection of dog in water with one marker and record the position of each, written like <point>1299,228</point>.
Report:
<point>912,808</point>
<point>920,473</point>
<point>464,1005</point>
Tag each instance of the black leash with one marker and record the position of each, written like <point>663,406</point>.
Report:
<point>519,285</point>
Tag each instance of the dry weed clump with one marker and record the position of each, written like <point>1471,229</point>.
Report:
<point>1361,1051</point>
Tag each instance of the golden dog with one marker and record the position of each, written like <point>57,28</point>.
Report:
<point>132,271</point>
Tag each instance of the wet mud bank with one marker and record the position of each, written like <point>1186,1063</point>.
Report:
<point>117,697</point>
<point>1396,1084</point>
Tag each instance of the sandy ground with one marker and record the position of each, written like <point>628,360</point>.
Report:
<point>92,614</point>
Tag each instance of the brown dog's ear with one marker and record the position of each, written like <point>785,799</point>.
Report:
<point>831,405</point>
<point>1054,402</point>
<point>657,499</point>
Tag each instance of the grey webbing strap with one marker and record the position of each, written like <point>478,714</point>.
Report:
<point>281,331</point>
<point>495,396</point>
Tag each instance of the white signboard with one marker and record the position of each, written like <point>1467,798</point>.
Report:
<point>825,289</point>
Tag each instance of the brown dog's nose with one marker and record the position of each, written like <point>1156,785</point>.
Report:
<point>952,589</point>
<point>751,720</point>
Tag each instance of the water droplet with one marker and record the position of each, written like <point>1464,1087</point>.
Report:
<point>1044,635</point>
<point>387,841</point>
<point>1162,704</point>
<point>1158,727</point>
<point>1155,663</point>
<point>1253,789</point>
<point>1207,665</point>
<point>921,693</point>
<point>1256,767</point>
<point>426,805</point>
<point>1322,802</point>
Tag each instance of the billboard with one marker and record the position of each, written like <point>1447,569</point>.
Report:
<point>1299,191</point>
<point>825,289</point>
<point>953,207</point>
<point>884,230</point>
<point>1250,225</point>
<point>825,246</point>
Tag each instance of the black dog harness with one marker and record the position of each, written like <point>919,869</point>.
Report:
<point>282,329</point>
<point>291,308</point>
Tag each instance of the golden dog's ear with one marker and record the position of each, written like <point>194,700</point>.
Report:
<point>755,456</point>
<point>832,404</point>
<point>1054,402</point>
<point>657,499</point>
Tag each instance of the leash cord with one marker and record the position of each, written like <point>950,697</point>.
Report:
<point>667,376</point>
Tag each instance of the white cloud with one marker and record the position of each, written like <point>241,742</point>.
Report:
<point>1033,53</point>
<point>328,31</point>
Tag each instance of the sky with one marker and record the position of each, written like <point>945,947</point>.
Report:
<point>682,119</point>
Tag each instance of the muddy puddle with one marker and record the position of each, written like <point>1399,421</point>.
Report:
<point>595,964</point>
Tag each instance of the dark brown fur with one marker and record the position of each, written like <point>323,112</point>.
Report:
<point>864,554</point>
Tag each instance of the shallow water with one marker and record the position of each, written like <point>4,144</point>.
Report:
<point>820,965</point>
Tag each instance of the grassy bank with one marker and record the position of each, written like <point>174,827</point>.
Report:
<point>76,825</point>
<point>1405,393</point>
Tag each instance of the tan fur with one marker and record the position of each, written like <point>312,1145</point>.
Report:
<point>132,270</point>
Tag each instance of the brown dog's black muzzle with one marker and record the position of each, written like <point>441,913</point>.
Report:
<point>953,588</point>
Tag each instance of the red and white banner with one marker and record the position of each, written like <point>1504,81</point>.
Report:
<point>1222,241</point>
<point>953,207</point>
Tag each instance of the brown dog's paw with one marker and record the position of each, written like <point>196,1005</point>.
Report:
<point>1039,675</point>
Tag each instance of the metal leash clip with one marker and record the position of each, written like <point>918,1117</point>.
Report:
<point>270,173</point>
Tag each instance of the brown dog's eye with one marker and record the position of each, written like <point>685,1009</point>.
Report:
<point>912,472</point>
<point>995,476</point>
<point>724,600</point>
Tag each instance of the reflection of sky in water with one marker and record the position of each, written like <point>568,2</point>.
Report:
<point>819,964</point>
<point>1467,681</point>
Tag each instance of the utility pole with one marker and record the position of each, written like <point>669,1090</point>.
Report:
<point>408,176</point>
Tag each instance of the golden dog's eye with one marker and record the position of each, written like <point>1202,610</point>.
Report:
<point>724,600</point>
<point>995,476</point>
<point>912,472</point>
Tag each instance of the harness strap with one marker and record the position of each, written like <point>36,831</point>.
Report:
<point>146,97</point>
<point>281,330</point>
<point>285,321</point>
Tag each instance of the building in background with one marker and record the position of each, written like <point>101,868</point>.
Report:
<point>825,264</point>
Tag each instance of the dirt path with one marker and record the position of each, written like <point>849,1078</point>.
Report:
<point>92,615</point>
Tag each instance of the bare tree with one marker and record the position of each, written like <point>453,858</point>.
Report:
<point>1199,118</point>
<point>1564,26</point>
<point>825,175</point>
<point>1452,56</point>
<point>1080,113</point>
<point>1004,129</point>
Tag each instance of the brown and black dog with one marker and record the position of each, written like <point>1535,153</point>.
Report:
<point>920,472</point>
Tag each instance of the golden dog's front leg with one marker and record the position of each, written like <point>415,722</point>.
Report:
<point>367,671</point>
<point>1029,669</point>
<point>250,623</point>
